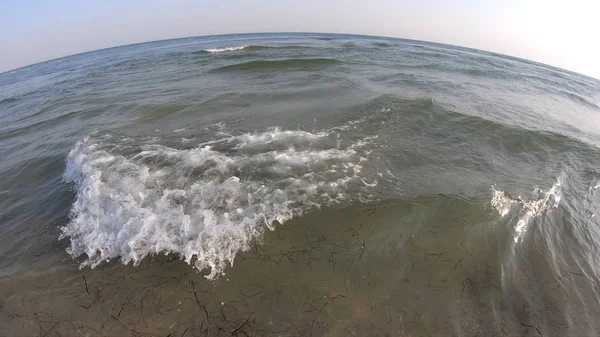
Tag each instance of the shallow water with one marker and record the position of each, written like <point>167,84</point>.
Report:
<point>298,185</point>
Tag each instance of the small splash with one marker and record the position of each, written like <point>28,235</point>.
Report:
<point>502,202</point>
<point>542,202</point>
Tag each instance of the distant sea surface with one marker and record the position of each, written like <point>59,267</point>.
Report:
<point>298,185</point>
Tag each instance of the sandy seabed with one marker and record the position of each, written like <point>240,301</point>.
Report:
<point>436,266</point>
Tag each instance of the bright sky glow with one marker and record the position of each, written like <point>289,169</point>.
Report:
<point>560,33</point>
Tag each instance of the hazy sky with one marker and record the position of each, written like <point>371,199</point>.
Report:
<point>560,33</point>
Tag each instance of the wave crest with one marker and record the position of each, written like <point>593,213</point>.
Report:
<point>305,64</point>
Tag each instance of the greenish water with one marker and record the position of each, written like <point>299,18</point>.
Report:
<point>298,185</point>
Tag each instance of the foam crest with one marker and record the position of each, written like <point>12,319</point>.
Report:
<point>278,136</point>
<point>226,49</point>
<point>542,202</point>
<point>206,203</point>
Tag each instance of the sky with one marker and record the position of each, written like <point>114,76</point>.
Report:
<point>559,33</point>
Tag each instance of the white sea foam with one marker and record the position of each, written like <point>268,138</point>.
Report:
<point>180,130</point>
<point>220,50</point>
<point>186,140</point>
<point>207,203</point>
<point>542,202</point>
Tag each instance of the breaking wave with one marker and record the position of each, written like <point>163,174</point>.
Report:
<point>253,48</point>
<point>207,203</point>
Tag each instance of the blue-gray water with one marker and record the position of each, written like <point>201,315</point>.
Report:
<point>298,185</point>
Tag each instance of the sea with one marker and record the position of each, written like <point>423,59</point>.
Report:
<point>298,184</point>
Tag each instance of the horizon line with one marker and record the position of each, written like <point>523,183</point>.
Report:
<point>305,32</point>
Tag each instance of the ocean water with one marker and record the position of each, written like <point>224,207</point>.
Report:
<point>298,185</point>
